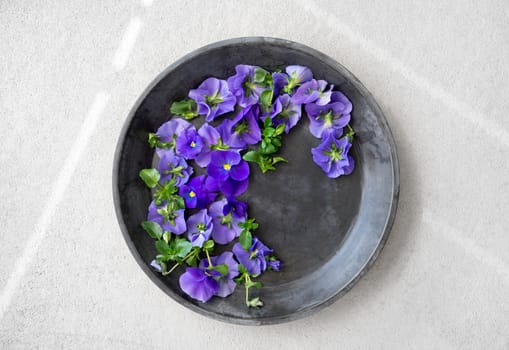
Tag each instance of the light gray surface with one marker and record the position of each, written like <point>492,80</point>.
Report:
<point>439,72</point>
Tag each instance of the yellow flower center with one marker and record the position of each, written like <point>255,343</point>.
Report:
<point>192,194</point>
<point>227,166</point>
<point>193,144</point>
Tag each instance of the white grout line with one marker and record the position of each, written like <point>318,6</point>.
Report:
<point>147,3</point>
<point>127,44</point>
<point>468,245</point>
<point>58,191</point>
<point>477,118</point>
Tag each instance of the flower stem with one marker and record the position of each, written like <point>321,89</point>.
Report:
<point>171,270</point>
<point>246,280</point>
<point>208,257</point>
<point>178,264</point>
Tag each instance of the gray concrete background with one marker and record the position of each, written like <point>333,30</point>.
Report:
<point>69,73</point>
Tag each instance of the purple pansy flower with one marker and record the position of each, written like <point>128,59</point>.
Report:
<point>297,76</point>
<point>230,172</point>
<point>198,284</point>
<point>332,156</point>
<point>243,87</point>
<point>331,117</point>
<point>156,265</point>
<point>253,259</point>
<point>176,222</point>
<point>189,143</point>
<point>227,164</point>
<point>233,188</point>
<point>243,129</point>
<point>211,185</point>
<point>226,226</point>
<point>213,98</point>
<point>313,91</point>
<point>237,208</point>
<point>199,228</point>
<point>169,131</point>
<point>211,137</point>
<point>289,113</point>
<point>196,194</point>
<point>172,166</point>
<point>274,265</point>
<point>280,81</point>
<point>226,283</point>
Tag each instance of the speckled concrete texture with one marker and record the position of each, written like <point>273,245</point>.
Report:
<point>69,74</point>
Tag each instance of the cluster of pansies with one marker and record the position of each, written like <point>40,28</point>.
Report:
<point>202,171</point>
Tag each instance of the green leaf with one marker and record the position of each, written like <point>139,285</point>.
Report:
<point>208,245</point>
<point>276,142</point>
<point>268,132</point>
<point>245,239</point>
<point>179,202</point>
<point>266,98</point>
<point>267,122</point>
<point>166,190</point>
<point>266,165</point>
<point>268,149</point>
<point>276,160</point>
<point>150,177</point>
<point>185,108</point>
<point>280,129</point>
<point>153,139</point>
<point>163,247</point>
<point>153,229</point>
<point>167,236</point>
<point>252,156</point>
<point>222,269</point>
<point>182,247</point>
<point>259,75</point>
<point>250,284</point>
<point>255,302</point>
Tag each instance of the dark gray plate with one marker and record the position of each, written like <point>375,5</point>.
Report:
<point>327,232</point>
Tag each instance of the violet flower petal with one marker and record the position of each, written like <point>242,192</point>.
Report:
<point>280,81</point>
<point>199,228</point>
<point>233,188</point>
<point>332,156</point>
<point>189,144</point>
<point>214,98</point>
<point>243,87</point>
<point>306,93</point>
<point>169,130</point>
<point>180,222</point>
<point>169,161</point>
<point>240,171</point>
<point>195,283</point>
<point>252,265</point>
<point>223,233</point>
<point>299,74</point>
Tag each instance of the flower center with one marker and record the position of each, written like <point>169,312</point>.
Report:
<point>227,166</point>
<point>192,194</point>
<point>200,227</point>
<point>254,254</point>
<point>213,100</point>
<point>249,87</point>
<point>328,119</point>
<point>193,144</point>
<point>241,128</point>
<point>335,153</point>
<point>227,220</point>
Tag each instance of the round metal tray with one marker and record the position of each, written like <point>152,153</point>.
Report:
<point>327,232</point>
